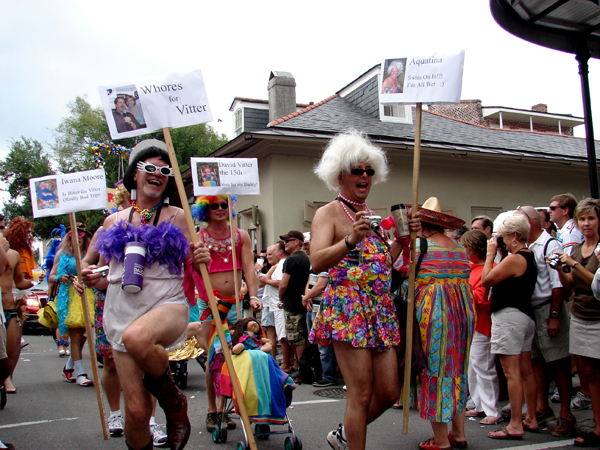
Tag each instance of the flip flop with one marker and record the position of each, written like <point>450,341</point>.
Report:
<point>473,413</point>
<point>456,444</point>
<point>503,433</point>
<point>430,444</point>
<point>491,420</point>
<point>590,439</point>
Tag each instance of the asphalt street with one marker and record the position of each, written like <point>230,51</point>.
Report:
<point>48,413</point>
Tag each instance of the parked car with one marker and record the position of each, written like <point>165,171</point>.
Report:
<point>36,298</point>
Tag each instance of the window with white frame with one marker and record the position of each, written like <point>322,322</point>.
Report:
<point>237,122</point>
<point>395,113</point>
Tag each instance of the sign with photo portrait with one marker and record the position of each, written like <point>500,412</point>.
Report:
<point>55,195</point>
<point>146,105</point>
<point>221,176</point>
<point>422,78</point>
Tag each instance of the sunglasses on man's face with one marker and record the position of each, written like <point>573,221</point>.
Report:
<point>359,171</point>
<point>151,168</point>
<point>552,208</point>
<point>215,206</point>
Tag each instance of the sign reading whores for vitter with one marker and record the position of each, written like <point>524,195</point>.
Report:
<point>142,106</point>
<point>422,78</point>
<point>54,195</point>
<point>222,176</point>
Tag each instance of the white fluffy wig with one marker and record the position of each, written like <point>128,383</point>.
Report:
<point>347,150</point>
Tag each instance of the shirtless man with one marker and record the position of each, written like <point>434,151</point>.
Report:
<point>357,315</point>
<point>12,322</point>
<point>142,326</point>
<point>213,210</point>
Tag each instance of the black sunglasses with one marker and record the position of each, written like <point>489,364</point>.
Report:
<point>215,206</point>
<point>552,208</point>
<point>290,240</point>
<point>358,171</point>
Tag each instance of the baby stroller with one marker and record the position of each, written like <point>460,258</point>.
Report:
<point>267,392</point>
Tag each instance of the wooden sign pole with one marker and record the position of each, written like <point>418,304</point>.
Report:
<point>88,327</point>
<point>411,274</point>
<point>234,259</point>
<point>212,303</point>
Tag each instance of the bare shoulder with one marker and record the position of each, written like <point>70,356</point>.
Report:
<point>112,219</point>
<point>243,235</point>
<point>13,257</point>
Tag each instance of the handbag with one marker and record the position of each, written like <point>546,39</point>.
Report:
<point>418,361</point>
<point>48,316</point>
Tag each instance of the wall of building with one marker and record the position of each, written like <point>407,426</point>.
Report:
<point>460,184</point>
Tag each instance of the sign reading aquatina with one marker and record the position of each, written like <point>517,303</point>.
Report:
<point>434,78</point>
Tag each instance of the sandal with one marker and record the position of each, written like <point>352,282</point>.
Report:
<point>456,444</point>
<point>503,433</point>
<point>491,420</point>
<point>531,429</point>
<point>431,445</point>
<point>473,413</point>
<point>590,439</point>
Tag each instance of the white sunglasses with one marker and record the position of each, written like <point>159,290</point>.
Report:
<point>151,168</point>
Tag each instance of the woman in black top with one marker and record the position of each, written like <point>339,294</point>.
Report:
<point>513,282</point>
<point>584,336</point>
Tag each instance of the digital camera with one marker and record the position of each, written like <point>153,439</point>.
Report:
<point>375,224</point>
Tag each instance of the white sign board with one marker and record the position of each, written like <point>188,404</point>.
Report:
<point>62,194</point>
<point>221,176</point>
<point>146,105</point>
<point>424,78</point>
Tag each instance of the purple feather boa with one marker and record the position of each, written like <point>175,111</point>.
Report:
<point>165,244</point>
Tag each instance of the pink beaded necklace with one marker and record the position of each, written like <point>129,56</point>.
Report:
<point>362,206</point>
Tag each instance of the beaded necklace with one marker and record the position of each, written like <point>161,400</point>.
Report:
<point>345,208</point>
<point>145,214</point>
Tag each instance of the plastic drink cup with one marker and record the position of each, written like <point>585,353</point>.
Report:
<point>133,267</point>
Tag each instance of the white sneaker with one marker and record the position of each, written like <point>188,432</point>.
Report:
<point>335,439</point>
<point>83,380</point>
<point>115,425</point>
<point>507,409</point>
<point>470,403</point>
<point>159,438</point>
<point>580,401</point>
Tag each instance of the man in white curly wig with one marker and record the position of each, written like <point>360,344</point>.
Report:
<point>357,314</point>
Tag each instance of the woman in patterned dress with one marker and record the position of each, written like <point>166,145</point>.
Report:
<point>446,316</point>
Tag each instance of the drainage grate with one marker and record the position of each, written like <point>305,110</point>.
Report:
<point>331,393</point>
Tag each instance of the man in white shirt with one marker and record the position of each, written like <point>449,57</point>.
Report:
<point>272,290</point>
<point>550,349</point>
<point>561,210</point>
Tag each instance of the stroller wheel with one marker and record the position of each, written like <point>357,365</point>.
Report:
<point>293,444</point>
<point>242,446</point>
<point>260,430</point>
<point>219,435</point>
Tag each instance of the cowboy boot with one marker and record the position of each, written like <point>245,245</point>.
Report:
<point>146,447</point>
<point>174,404</point>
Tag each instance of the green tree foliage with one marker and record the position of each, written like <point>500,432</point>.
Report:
<point>26,159</point>
<point>72,152</point>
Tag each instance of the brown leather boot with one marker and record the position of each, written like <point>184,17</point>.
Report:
<point>146,447</point>
<point>174,404</point>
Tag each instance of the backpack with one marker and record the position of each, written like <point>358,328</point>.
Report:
<point>310,364</point>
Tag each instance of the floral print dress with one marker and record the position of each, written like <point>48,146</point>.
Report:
<point>356,305</point>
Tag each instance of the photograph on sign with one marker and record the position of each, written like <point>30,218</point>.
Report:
<point>146,105</point>
<point>55,195</point>
<point>424,78</point>
<point>221,176</point>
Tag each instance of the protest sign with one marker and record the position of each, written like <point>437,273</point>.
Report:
<point>222,176</point>
<point>146,105</point>
<point>422,78</point>
<point>54,195</point>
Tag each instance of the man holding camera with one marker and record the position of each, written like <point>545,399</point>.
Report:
<point>357,314</point>
<point>296,269</point>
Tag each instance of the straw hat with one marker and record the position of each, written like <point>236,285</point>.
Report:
<point>431,212</point>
